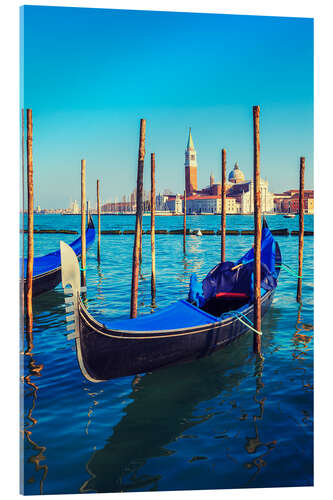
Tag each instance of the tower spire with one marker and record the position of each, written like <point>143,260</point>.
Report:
<point>191,183</point>
<point>190,144</point>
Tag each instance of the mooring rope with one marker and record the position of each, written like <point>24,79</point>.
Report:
<point>247,323</point>
<point>288,269</point>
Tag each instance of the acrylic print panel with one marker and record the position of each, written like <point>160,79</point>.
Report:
<point>140,376</point>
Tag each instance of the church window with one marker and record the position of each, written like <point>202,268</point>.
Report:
<point>193,157</point>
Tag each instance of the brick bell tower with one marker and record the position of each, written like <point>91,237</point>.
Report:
<point>191,182</point>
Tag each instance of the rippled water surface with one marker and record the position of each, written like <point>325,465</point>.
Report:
<point>225,421</point>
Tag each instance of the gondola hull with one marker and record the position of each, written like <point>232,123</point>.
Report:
<point>180,332</point>
<point>105,354</point>
<point>44,282</point>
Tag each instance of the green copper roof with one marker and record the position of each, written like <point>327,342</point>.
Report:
<point>190,144</point>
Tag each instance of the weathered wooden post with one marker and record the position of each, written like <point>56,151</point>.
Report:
<point>257,231</point>
<point>99,225</point>
<point>138,223</point>
<point>83,222</point>
<point>184,238</point>
<point>30,183</point>
<point>23,186</point>
<point>152,227</point>
<point>223,206</point>
<point>301,229</point>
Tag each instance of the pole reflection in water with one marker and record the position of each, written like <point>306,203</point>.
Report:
<point>301,340</point>
<point>35,370</point>
<point>253,443</point>
<point>163,410</point>
<point>302,350</point>
<point>100,294</point>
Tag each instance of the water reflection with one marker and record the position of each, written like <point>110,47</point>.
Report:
<point>93,404</point>
<point>162,410</point>
<point>301,341</point>
<point>301,338</point>
<point>253,443</point>
<point>35,370</point>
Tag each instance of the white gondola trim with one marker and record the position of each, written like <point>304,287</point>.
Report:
<point>70,318</point>
<point>69,309</point>
<point>70,327</point>
<point>69,300</point>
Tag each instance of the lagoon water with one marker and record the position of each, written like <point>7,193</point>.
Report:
<point>225,421</point>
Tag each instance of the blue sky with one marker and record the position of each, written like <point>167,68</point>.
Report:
<point>89,75</point>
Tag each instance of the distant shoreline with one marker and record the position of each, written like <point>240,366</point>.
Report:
<point>146,214</point>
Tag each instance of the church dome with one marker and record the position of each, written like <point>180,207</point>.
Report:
<point>236,175</point>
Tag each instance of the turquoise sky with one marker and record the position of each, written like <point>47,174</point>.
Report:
<point>89,75</point>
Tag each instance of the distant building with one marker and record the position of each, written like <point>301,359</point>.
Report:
<point>240,197</point>
<point>191,167</point>
<point>74,208</point>
<point>288,201</point>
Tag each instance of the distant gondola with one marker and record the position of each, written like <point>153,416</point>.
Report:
<point>47,269</point>
<point>216,312</point>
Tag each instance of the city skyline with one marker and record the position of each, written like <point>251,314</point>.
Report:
<point>89,82</point>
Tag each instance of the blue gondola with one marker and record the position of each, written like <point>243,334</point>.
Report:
<point>216,312</point>
<point>47,269</point>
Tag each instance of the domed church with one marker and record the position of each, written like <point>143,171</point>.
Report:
<point>236,175</point>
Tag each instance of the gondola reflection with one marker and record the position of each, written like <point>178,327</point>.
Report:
<point>162,411</point>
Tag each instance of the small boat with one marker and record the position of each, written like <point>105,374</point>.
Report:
<point>47,268</point>
<point>216,312</point>
<point>289,216</point>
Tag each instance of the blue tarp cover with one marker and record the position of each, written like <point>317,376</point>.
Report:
<point>267,251</point>
<point>181,314</point>
<point>222,279</point>
<point>52,260</point>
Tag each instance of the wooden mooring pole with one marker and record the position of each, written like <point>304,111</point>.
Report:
<point>257,231</point>
<point>99,225</point>
<point>152,227</point>
<point>223,206</point>
<point>184,238</point>
<point>23,188</point>
<point>138,222</point>
<point>83,222</point>
<point>301,229</point>
<point>30,183</point>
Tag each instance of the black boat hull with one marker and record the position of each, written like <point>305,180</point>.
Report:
<point>105,354</point>
<point>44,282</point>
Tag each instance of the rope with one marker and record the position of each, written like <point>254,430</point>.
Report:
<point>288,269</point>
<point>248,322</point>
